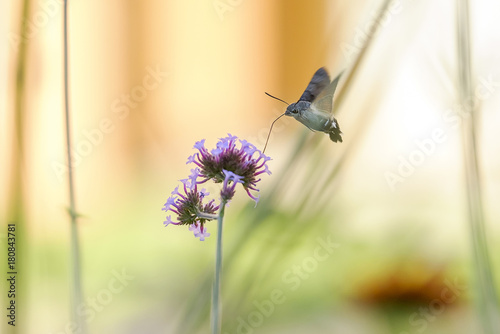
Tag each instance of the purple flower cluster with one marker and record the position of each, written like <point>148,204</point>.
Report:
<point>225,164</point>
<point>247,162</point>
<point>190,209</point>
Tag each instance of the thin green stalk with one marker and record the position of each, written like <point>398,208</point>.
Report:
<point>75,248</point>
<point>216,311</point>
<point>15,213</point>
<point>487,295</point>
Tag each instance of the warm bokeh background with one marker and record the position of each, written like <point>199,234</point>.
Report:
<point>399,246</point>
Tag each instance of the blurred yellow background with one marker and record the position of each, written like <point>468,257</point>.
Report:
<point>149,78</point>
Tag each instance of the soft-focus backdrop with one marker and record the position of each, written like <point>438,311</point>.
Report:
<point>387,208</point>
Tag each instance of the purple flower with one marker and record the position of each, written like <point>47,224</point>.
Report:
<point>170,202</point>
<point>199,231</point>
<point>246,162</point>
<point>200,145</point>
<point>169,221</point>
<point>204,193</point>
<point>193,177</point>
<point>189,208</point>
<point>229,185</point>
<point>191,159</point>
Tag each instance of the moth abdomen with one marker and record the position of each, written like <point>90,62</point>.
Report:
<point>333,130</point>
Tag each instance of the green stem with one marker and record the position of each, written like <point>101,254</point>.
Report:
<point>216,312</point>
<point>487,295</point>
<point>75,248</point>
<point>17,183</point>
<point>206,215</point>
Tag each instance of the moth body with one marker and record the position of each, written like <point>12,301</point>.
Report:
<point>314,109</point>
<point>315,120</point>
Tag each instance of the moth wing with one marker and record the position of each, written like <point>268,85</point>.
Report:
<point>318,83</point>
<point>324,101</point>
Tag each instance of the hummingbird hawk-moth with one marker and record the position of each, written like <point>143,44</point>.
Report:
<point>315,106</point>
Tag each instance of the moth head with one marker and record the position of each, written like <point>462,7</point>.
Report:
<point>295,109</point>
<point>291,110</point>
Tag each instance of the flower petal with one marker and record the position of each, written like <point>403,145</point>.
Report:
<point>217,151</point>
<point>202,235</point>
<point>168,221</point>
<point>200,145</point>
<point>170,202</point>
<point>191,158</point>
<point>195,172</point>
<point>175,191</point>
<point>188,184</point>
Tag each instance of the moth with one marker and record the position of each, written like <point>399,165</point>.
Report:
<point>315,106</point>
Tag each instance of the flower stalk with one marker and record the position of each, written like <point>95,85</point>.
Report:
<point>487,296</point>
<point>75,247</point>
<point>216,305</point>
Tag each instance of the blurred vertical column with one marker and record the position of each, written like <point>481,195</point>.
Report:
<point>304,42</point>
<point>221,56</point>
<point>16,179</point>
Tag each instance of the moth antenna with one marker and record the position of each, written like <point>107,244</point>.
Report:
<point>274,97</point>
<point>269,134</point>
